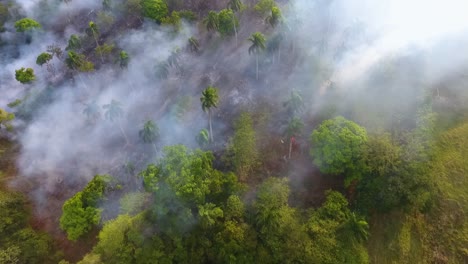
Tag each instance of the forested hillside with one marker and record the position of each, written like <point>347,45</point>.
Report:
<point>233,131</point>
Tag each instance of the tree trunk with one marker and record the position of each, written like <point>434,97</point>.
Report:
<point>290,147</point>
<point>256,59</point>
<point>97,44</point>
<point>123,133</point>
<point>211,129</point>
<point>235,30</point>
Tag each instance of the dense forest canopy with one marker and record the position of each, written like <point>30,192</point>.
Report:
<point>233,131</point>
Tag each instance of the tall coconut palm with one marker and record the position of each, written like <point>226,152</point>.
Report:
<point>92,111</point>
<point>294,129</point>
<point>258,45</point>
<point>208,100</point>
<point>194,44</point>
<point>235,5</point>
<point>295,104</point>
<point>113,113</point>
<point>275,17</point>
<point>149,133</point>
<point>211,21</point>
<point>358,227</point>
<point>203,138</point>
<point>93,31</point>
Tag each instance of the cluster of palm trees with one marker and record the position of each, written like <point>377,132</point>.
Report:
<point>150,131</point>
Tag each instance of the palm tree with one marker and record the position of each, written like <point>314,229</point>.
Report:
<point>203,138</point>
<point>358,227</point>
<point>123,59</point>
<point>92,111</point>
<point>295,104</point>
<point>295,127</point>
<point>93,31</point>
<point>211,21</point>
<point>275,17</point>
<point>274,45</point>
<point>194,44</point>
<point>114,112</point>
<point>235,5</point>
<point>208,100</point>
<point>258,45</point>
<point>149,133</point>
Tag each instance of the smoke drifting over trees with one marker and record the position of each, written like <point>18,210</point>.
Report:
<point>374,63</point>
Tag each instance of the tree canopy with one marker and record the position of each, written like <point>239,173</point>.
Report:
<point>26,24</point>
<point>337,147</point>
<point>25,76</point>
<point>155,9</point>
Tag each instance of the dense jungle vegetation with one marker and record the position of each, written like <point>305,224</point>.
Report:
<point>225,131</point>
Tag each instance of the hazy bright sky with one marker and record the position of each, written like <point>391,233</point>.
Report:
<point>399,24</point>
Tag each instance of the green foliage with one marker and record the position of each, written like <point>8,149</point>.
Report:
<point>104,49</point>
<point>194,44</point>
<point>132,203</point>
<point>25,75</point>
<point>449,169</point>
<point>235,208</point>
<point>275,18</point>
<point>209,98</point>
<point>76,61</point>
<point>5,119</point>
<point>243,146</point>
<point>13,216</point>
<point>209,214</point>
<point>43,58</point>
<point>74,43</point>
<point>172,20</point>
<point>382,155</point>
<point>117,240</point>
<point>92,30</point>
<point>295,127</point>
<point>258,43</point>
<point>113,110</point>
<point>92,111</point>
<point>155,9</point>
<point>337,233</point>
<point>211,21</point>
<point>337,147</point>
<point>149,133</point>
<point>235,5</point>
<point>183,183</point>
<point>203,138</point>
<point>18,242</point>
<point>295,103</point>
<point>90,258</point>
<point>26,24</point>
<point>227,22</point>
<point>14,104</point>
<point>80,212</point>
<point>123,59</point>
<point>264,6</point>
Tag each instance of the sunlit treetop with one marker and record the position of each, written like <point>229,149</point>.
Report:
<point>26,24</point>
<point>43,58</point>
<point>25,75</point>
<point>155,9</point>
